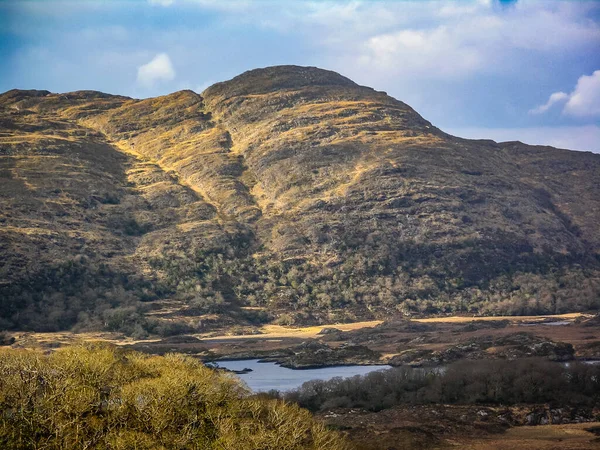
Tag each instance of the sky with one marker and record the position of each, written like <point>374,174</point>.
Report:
<point>503,70</point>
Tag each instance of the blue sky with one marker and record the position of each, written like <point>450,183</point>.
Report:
<point>503,70</point>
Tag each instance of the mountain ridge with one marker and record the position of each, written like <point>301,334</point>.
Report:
<point>287,190</point>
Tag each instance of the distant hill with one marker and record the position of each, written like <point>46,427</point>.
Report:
<point>287,193</point>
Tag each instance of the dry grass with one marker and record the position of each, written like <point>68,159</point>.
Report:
<point>464,319</point>
<point>278,331</point>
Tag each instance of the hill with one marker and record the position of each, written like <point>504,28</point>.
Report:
<point>287,193</point>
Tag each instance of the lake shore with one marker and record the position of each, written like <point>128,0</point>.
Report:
<point>415,342</point>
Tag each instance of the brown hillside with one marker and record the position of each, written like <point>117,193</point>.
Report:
<point>289,189</point>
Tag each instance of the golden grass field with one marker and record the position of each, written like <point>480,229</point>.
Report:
<point>464,319</point>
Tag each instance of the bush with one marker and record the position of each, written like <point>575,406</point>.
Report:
<point>6,339</point>
<point>98,397</point>
<point>170,328</point>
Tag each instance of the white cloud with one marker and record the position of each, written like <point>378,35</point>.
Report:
<point>158,69</point>
<point>557,97</point>
<point>429,52</point>
<point>584,101</point>
<point>586,138</point>
<point>161,2</point>
<point>465,40</point>
<point>230,6</point>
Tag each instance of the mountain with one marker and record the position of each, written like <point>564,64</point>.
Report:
<point>287,193</point>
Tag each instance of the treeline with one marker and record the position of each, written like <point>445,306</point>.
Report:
<point>97,397</point>
<point>371,280</point>
<point>83,295</point>
<point>372,277</point>
<point>465,382</point>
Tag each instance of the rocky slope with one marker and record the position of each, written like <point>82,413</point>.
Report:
<point>286,193</point>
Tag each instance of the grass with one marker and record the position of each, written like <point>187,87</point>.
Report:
<point>463,319</point>
<point>277,331</point>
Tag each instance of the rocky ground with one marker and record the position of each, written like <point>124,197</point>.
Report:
<point>286,195</point>
<point>468,427</point>
<point>406,342</point>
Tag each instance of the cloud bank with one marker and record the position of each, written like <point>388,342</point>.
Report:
<point>584,101</point>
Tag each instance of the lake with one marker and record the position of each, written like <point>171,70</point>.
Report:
<point>267,376</point>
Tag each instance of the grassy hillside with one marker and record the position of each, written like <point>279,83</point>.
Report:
<point>287,193</point>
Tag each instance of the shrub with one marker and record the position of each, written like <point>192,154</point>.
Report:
<point>6,339</point>
<point>101,398</point>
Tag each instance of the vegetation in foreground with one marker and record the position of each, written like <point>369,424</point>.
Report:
<point>98,397</point>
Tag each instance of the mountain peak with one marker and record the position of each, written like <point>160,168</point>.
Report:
<point>269,79</point>
<point>15,95</point>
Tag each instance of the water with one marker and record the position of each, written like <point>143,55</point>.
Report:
<point>592,362</point>
<point>267,376</point>
<point>557,323</point>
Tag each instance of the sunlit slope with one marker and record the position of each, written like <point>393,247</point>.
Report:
<point>321,145</point>
<point>296,190</point>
